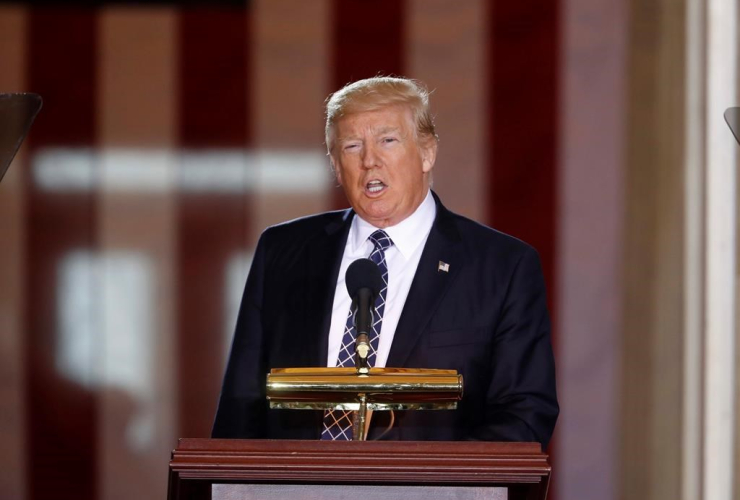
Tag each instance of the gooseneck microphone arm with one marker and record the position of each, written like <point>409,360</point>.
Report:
<point>364,326</point>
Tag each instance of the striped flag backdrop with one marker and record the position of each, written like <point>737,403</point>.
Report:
<point>171,136</point>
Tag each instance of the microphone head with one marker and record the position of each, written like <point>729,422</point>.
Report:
<point>363,273</point>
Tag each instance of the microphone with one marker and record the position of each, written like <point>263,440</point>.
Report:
<point>364,283</point>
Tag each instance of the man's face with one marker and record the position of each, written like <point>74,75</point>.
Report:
<point>381,166</point>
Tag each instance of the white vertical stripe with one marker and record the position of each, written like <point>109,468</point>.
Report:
<point>137,235</point>
<point>721,210</point>
<point>447,51</point>
<point>590,247</point>
<point>693,253</point>
<point>13,21</point>
<point>291,71</point>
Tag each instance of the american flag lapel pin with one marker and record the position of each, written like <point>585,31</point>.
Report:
<point>443,267</point>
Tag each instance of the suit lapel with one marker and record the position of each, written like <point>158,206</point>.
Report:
<point>430,284</point>
<point>322,267</point>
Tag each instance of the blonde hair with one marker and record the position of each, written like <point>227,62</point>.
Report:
<point>376,93</point>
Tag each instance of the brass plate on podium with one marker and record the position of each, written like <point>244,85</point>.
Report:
<point>381,389</point>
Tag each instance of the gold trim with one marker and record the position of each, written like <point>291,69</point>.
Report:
<point>381,388</point>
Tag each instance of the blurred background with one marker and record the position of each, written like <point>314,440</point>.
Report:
<point>173,133</point>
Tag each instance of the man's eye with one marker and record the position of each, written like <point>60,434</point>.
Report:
<point>388,140</point>
<point>351,147</point>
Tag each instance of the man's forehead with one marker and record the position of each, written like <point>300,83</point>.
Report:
<point>377,121</point>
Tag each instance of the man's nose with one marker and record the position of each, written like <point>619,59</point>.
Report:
<point>370,158</point>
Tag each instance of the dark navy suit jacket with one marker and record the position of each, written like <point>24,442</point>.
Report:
<point>486,317</point>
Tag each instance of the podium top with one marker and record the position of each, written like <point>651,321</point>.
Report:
<point>17,112</point>
<point>199,464</point>
<point>463,449</point>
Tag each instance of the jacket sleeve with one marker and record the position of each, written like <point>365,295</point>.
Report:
<point>521,401</point>
<point>242,406</point>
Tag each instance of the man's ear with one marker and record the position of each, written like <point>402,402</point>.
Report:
<point>428,155</point>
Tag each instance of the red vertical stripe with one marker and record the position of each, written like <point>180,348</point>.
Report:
<point>523,128</point>
<point>214,114</point>
<point>214,83</point>
<point>368,40</point>
<point>523,105</point>
<point>61,414</point>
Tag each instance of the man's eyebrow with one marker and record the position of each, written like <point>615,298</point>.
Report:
<point>379,131</point>
<point>347,138</point>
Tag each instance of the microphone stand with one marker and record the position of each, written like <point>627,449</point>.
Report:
<point>362,349</point>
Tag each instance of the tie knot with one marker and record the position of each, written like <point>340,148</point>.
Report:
<point>381,240</point>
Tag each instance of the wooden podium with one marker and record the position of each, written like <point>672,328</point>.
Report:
<point>224,469</point>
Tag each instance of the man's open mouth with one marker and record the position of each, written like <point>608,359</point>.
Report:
<point>375,186</point>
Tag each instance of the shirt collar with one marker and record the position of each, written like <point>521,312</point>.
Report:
<point>407,235</point>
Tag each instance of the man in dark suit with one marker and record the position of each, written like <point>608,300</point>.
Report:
<point>459,295</point>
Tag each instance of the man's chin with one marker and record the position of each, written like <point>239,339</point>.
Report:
<point>381,218</point>
<point>377,218</point>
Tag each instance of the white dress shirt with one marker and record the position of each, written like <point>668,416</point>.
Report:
<point>402,258</point>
